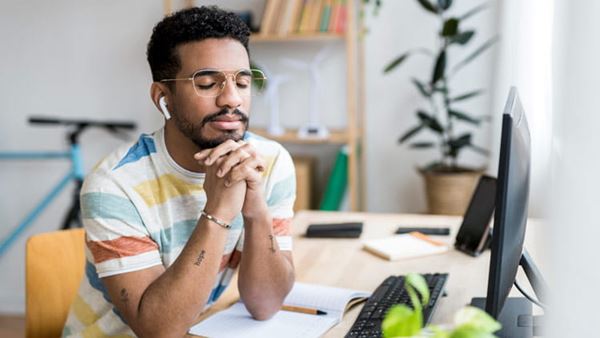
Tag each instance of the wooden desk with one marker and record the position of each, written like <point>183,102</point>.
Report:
<point>343,263</point>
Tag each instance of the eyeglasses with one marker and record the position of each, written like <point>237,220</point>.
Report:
<point>212,82</point>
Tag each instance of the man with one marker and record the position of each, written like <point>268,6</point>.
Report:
<point>169,219</point>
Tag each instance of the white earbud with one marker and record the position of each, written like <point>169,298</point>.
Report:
<point>163,106</point>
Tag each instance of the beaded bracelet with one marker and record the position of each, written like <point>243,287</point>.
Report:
<point>216,220</point>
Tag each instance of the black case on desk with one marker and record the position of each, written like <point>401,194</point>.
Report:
<point>335,230</point>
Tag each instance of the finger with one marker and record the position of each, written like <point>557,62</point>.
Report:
<point>222,149</point>
<point>248,170</point>
<point>200,156</point>
<point>234,158</point>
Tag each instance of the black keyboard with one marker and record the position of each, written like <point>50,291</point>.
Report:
<point>390,292</point>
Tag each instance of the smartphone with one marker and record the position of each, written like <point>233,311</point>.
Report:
<point>474,234</point>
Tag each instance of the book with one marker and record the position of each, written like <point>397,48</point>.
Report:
<point>236,321</point>
<point>404,246</point>
<point>337,182</point>
<point>269,17</point>
<point>296,16</point>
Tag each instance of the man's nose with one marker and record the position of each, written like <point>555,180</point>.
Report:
<point>230,96</point>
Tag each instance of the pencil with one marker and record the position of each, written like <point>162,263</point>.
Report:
<point>302,309</point>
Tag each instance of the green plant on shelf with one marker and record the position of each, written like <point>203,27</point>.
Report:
<point>403,321</point>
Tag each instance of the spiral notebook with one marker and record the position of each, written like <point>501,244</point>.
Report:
<point>405,246</point>
<point>236,321</point>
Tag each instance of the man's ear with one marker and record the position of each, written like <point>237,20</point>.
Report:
<point>160,94</point>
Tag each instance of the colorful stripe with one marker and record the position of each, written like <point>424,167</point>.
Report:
<point>144,147</point>
<point>125,246</point>
<point>98,205</point>
<point>282,226</point>
<point>84,312</point>
<point>174,237</point>
<point>163,188</point>
<point>282,191</point>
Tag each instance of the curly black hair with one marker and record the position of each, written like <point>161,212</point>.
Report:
<point>189,25</point>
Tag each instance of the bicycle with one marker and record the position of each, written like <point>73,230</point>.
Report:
<point>75,173</point>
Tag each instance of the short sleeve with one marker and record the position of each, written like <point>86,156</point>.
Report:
<point>281,195</point>
<point>116,237</point>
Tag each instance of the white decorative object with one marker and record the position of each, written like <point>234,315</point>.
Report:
<point>272,97</point>
<point>313,128</point>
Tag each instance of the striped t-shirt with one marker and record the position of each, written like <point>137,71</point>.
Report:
<point>139,208</point>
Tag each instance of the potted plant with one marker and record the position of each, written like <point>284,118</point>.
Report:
<point>449,185</point>
<point>403,321</point>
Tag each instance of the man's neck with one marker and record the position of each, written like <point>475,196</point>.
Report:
<point>181,149</point>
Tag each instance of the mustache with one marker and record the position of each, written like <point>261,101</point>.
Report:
<point>213,117</point>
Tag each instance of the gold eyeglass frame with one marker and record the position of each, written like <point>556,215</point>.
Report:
<point>227,75</point>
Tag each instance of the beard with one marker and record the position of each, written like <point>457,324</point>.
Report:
<point>193,131</point>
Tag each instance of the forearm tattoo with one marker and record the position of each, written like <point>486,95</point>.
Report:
<point>272,240</point>
<point>200,258</point>
<point>124,296</point>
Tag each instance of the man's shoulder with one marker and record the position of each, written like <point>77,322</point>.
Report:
<point>128,159</point>
<point>265,146</point>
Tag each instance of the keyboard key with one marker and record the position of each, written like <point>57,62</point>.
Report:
<point>390,292</point>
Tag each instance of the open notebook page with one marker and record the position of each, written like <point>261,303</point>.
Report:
<point>237,322</point>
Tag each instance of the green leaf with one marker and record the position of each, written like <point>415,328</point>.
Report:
<point>467,332</point>
<point>422,145</point>
<point>438,332</point>
<point>428,6</point>
<point>462,38</point>
<point>430,122</point>
<point>421,87</point>
<point>400,321</point>
<point>440,67</point>
<point>476,318</point>
<point>474,11</point>
<point>450,27</point>
<point>467,95</point>
<point>396,62</point>
<point>476,53</point>
<point>444,4</point>
<point>463,117</point>
<point>417,281</point>
<point>456,144</point>
<point>410,133</point>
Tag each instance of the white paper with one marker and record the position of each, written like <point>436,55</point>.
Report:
<point>237,322</point>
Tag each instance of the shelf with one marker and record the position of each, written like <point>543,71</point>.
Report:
<point>291,136</point>
<point>296,37</point>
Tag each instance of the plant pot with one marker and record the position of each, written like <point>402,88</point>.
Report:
<point>449,193</point>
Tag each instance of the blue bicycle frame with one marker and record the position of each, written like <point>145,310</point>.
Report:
<point>75,174</point>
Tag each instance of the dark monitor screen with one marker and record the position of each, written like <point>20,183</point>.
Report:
<point>512,194</point>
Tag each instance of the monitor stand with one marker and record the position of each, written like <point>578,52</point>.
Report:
<point>516,317</point>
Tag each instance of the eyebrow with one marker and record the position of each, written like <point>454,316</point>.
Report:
<point>210,71</point>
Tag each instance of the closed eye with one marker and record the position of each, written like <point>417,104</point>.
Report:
<point>207,86</point>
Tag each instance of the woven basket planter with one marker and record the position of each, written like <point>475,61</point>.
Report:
<point>449,193</point>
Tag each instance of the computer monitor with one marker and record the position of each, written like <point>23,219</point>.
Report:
<point>510,221</point>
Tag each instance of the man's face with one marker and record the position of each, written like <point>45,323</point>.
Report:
<point>210,121</point>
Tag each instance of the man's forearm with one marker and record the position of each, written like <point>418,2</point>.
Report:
<point>173,301</point>
<point>266,275</point>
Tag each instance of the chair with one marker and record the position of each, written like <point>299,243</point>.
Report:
<point>54,267</point>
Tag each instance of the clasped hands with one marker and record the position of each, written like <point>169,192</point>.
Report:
<point>233,181</point>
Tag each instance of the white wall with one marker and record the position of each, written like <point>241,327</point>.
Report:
<point>575,226</point>
<point>393,183</point>
<point>71,59</point>
<point>87,59</point>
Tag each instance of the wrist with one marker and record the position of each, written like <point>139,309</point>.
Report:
<point>211,218</point>
<point>223,214</point>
